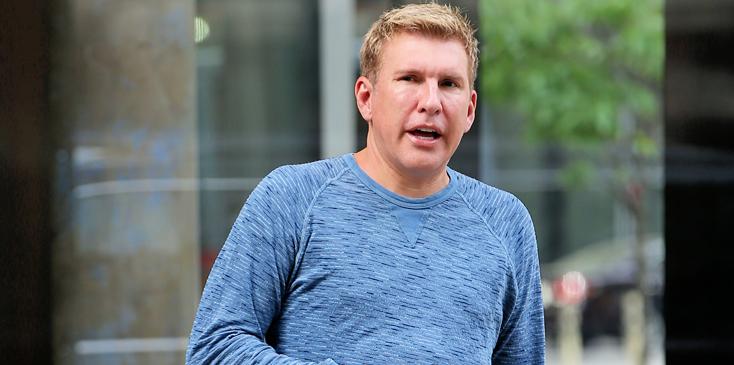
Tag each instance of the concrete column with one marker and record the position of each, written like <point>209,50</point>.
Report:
<point>569,337</point>
<point>125,262</point>
<point>337,59</point>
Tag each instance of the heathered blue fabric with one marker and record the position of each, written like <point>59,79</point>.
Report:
<point>410,213</point>
<point>318,269</point>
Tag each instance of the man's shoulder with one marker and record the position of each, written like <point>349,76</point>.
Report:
<point>476,192</point>
<point>304,177</point>
<point>500,209</point>
<point>321,169</point>
<point>504,214</point>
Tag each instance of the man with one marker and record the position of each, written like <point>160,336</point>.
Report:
<point>386,256</point>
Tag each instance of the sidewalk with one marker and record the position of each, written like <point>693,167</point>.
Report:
<point>607,353</point>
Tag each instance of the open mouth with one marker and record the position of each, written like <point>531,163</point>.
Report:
<point>425,134</point>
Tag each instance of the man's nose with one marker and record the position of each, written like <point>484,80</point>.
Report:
<point>430,99</point>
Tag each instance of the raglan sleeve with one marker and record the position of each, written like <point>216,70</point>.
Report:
<point>522,335</point>
<point>247,284</point>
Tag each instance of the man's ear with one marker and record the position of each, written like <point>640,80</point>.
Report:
<point>472,111</point>
<point>363,94</point>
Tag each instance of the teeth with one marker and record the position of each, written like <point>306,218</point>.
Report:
<point>426,130</point>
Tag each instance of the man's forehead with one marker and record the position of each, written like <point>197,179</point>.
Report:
<point>398,49</point>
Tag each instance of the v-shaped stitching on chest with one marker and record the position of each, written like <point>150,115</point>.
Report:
<point>425,213</point>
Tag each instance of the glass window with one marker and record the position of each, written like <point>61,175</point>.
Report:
<point>258,102</point>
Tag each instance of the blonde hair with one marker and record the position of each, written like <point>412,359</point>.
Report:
<point>430,19</point>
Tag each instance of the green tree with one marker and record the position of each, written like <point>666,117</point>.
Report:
<point>585,75</point>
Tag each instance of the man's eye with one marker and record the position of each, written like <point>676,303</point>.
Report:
<point>407,78</point>
<point>449,83</point>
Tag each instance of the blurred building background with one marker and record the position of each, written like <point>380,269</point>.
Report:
<point>132,132</point>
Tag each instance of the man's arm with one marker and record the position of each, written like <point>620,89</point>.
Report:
<point>522,337</point>
<point>248,282</point>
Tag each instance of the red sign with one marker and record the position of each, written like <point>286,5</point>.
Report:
<point>570,288</point>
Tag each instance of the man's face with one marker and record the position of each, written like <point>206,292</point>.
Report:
<point>420,105</point>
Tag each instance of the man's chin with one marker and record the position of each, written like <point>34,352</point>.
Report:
<point>423,165</point>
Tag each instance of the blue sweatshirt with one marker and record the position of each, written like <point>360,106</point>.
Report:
<point>325,266</point>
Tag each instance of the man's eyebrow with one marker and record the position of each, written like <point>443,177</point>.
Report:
<point>453,76</point>
<point>412,71</point>
<point>404,71</point>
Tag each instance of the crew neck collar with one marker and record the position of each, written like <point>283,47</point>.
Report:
<point>401,200</point>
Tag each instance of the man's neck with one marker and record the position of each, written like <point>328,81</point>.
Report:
<point>400,182</point>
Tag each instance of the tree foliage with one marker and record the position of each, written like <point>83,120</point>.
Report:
<point>573,68</point>
<point>582,73</point>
